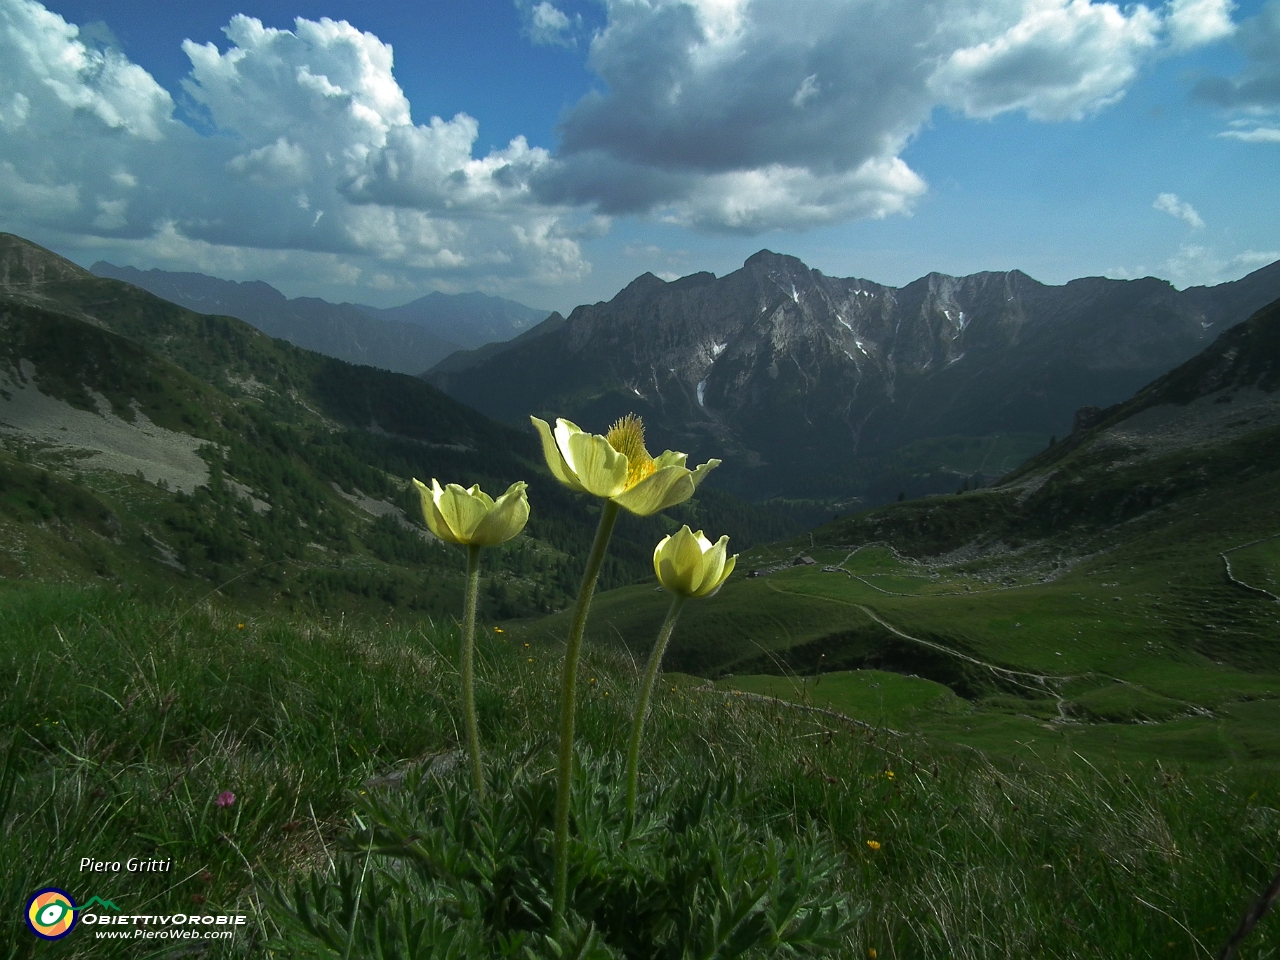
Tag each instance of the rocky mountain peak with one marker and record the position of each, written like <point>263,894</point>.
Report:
<point>777,365</point>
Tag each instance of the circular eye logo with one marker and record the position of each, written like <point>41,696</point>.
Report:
<point>51,913</point>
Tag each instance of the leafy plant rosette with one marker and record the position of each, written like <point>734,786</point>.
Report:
<point>617,467</point>
<point>435,871</point>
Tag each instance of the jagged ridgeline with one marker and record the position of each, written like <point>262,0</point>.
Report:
<point>162,448</point>
<point>847,390</point>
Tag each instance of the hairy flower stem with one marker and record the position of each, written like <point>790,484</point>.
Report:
<point>568,705</point>
<point>642,704</point>
<point>468,669</point>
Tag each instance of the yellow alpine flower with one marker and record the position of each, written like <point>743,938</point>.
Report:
<point>690,565</point>
<point>618,467</point>
<point>471,516</point>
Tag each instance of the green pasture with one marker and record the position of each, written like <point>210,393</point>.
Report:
<point>1127,644</point>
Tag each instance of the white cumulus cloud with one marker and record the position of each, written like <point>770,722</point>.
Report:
<point>314,155</point>
<point>737,116</point>
<point>1195,22</point>
<point>47,65</point>
<point>1255,90</point>
<point>1170,203</point>
<point>547,24</point>
<point>1058,61</point>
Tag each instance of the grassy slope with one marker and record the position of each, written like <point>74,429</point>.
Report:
<point>124,721</point>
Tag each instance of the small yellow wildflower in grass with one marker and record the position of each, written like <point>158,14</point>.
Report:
<point>498,630</point>
<point>469,517</point>
<point>873,844</point>
<point>888,774</point>
<point>239,626</point>
<point>687,564</point>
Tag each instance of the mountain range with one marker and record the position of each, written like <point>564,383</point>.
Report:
<point>153,446</point>
<point>817,387</point>
<point>406,339</point>
<point>1129,572</point>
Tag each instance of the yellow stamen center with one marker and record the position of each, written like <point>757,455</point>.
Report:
<point>627,437</point>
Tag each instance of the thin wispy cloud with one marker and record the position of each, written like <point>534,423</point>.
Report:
<point>1200,265</point>
<point>1251,133</point>
<point>1179,209</point>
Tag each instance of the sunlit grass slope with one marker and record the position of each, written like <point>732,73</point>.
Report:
<point>124,722</point>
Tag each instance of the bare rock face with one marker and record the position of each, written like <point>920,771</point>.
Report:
<point>784,372</point>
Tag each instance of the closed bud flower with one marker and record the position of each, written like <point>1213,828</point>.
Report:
<point>690,565</point>
<point>472,517</point>
<point>617,466</point>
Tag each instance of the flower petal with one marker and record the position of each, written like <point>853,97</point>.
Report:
<point>670,458</point>
<point>701,472</point>
<point>600,469</point>
<point>462,511</point>
<point>555,459</point>
<point>436,522</point>
<point>729,564</point>
<point>715,568</point>
<point>662,489</point>
<point>690,565</point>
<point>505,519</point>
<point>475,491</point>
<point>677,561</point>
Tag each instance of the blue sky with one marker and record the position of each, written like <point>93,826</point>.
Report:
<point>552,151</point>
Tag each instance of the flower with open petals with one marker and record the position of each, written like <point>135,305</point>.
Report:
<point>618,467</point>
<point>471,516</point>
<point>690,565</point>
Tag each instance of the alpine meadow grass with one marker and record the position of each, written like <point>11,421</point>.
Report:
<point>354,831</point>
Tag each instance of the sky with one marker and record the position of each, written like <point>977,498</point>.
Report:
<point>552,151</point>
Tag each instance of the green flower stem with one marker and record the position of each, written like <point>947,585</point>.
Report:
<point>568,705</point>
<point>468,669</point>
<point>642,704</point>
